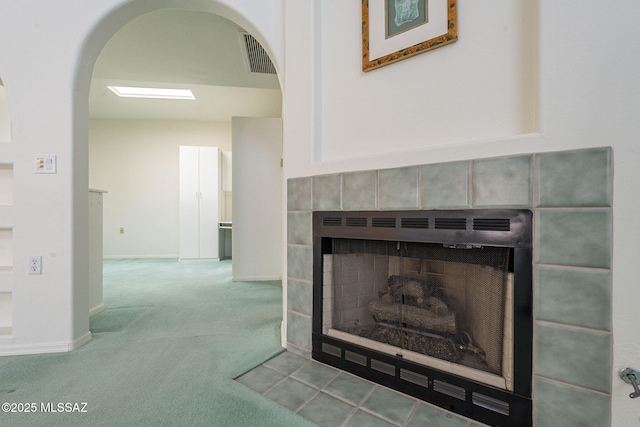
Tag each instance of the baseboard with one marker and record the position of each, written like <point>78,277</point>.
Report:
<point>80,341</point>
<point>174,256</point>
<point>256,278</point>
<point>21,350</point>
<point>96,310</point>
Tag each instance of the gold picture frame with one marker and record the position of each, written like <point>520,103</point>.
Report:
<point>393,30</point>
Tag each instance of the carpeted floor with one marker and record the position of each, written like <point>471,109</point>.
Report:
<point>165,352</point>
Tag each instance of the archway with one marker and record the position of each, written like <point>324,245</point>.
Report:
<point>106,29</point>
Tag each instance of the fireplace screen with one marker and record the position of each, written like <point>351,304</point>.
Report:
<point>436,304</point>
<point>449,302</point>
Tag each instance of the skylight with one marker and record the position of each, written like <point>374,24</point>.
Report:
<point>148,92</point>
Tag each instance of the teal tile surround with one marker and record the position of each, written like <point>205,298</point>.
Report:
<point>570,193</point>
<point>329,397</point>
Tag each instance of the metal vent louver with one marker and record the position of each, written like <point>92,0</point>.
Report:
<point>414,223</point>
<point>360,359</point>
<point>414,377</point>
<point>492,224</point>
<point>451,223</point>
<point>490,403</point>
<point>449,389</point>
<point>332,221</point>
<point>259,61</point>
<point>383,222</point>
<point>383,367</point>
<point>356,222</point>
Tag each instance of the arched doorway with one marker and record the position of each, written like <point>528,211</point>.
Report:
<point>104,32</point>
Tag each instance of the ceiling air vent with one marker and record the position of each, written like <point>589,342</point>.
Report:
<point>383,222</point>
<point>451,223</point>
<point>259,61</point>
<point>492,224</point>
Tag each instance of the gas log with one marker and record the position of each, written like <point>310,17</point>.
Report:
<point>385,309</point>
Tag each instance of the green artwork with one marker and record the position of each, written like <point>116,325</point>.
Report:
<point>403,15</point>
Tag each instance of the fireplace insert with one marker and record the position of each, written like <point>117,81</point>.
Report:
<point>435,304</point>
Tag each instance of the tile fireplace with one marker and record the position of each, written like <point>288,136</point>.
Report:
<point>570,194</point>
<point>436,304</point>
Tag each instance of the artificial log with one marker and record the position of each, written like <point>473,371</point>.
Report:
<point>403,286</point>
<point>414,316</point>
<point>435,305</point>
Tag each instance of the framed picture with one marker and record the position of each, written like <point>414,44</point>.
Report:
<point>397,29</point>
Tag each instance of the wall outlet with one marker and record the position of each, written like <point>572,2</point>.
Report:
<point>46,163</point>
<point>35,265</point>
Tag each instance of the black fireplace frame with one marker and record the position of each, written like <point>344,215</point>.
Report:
<point>511,228</point>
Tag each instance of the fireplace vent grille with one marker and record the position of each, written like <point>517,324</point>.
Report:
<point>414,377</point>
<point>414,223</point>
<point>451,223</point>
<point>449,389</point>
<point>332,350</point>
<point>385,368</point>
<point>490,403</point>
<point>383,222</point>
<point>360,359</point>
<point>356,222</point>
<point>332,221</point>
<point>492,224</point>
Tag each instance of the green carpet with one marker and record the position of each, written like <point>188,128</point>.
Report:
<point>165,352</point>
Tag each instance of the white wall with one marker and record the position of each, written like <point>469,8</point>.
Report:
<point>586,93</point>
<point>137,163</point>
<point>257,198</point>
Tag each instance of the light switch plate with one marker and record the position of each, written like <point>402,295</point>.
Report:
<point>46,163</point>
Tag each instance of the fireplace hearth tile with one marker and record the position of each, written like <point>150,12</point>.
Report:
<point>574,356</point>
<point>426,415</point>
<point>574,296</point>
<point>316,375</point>
<point>445,185</point>
<point>504,181</point>
<point>261,379</point>
<point>349,388</point>
<point>325,410</point>
<point>364,419</point>
<point>575,178</point>
<point>291,394</point>
<point>390,405</point>
<point>560,405</point>
<point>286,363</point>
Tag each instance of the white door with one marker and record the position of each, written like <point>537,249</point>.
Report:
<point>199,202</point>
<point>257,198</point>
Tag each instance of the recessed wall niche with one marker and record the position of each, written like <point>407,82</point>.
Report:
<point>6,185</point>
<point>6,313</point>
<point>6,249</point>
<point>5,116</point>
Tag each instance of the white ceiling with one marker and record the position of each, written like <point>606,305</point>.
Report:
<point>182,49</point>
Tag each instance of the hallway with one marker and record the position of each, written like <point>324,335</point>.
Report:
<point>164,352</point>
